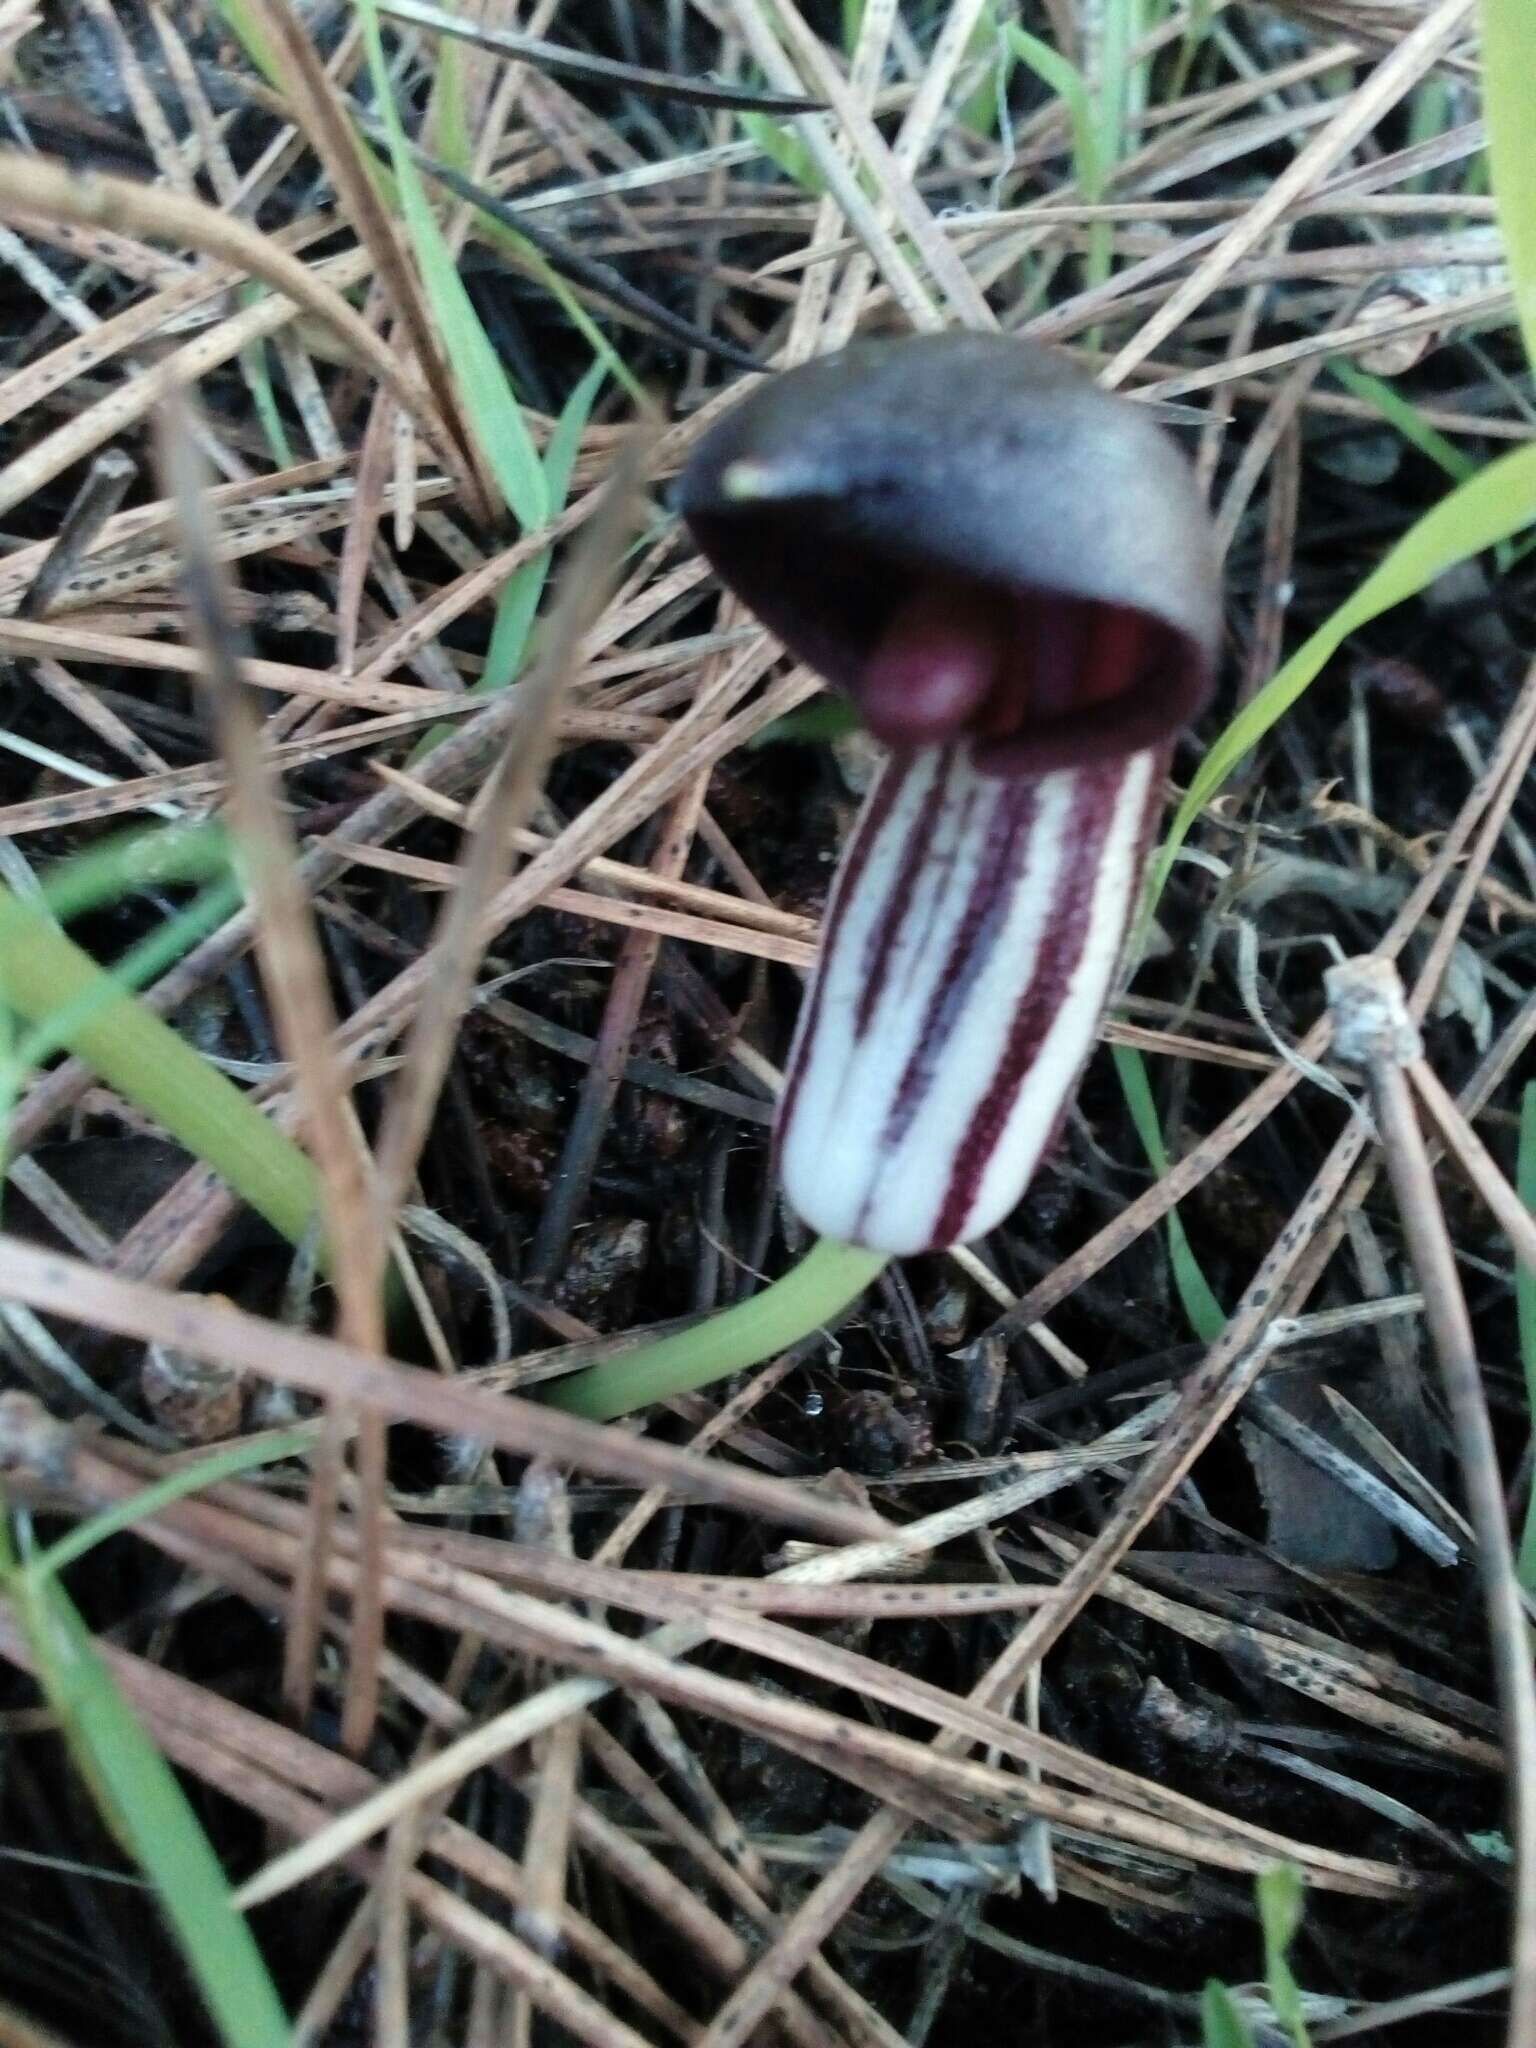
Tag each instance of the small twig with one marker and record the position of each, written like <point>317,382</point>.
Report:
<point>297,986</point>
<point>1475,1160</point>
<point>1310,1444</point>
<point>544,1515</point>
<point>1410,1480</point>
<point>33,184</point>
<point>1373,1030</point>
<point>561,62</point>
<point>391,1975</point>
<point>626,994</point>
<point>1374,2019</point>
<point>502,810</point>
<point>105,486</point>
<point>569,261</point>
<point>1392,80</point>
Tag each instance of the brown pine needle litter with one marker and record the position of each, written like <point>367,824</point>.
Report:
<point>458,852</point>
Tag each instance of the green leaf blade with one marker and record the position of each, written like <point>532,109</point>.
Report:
<point>144,1803</point>
<point>479,375</point>
<point>1509,66</point>
<point>1525,1313</point>
<point>1222,2023</point>
<point>1203,1312</point>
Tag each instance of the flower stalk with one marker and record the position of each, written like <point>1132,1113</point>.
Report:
<point>810,1295</point>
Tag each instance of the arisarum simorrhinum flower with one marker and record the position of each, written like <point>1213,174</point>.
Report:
<point>1011,575</point>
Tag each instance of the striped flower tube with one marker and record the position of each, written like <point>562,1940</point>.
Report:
<point>1010,573</point>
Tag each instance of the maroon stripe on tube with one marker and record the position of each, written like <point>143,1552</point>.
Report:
<point>901,894</point>
<point>1061,949</point>
<point>878,806</point>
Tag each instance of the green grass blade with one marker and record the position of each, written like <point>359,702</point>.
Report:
<point>517,607</point>
<point>238,18</point>
<point>522,252</point>
<point>1431,110</point>
<point>495,417</point>
<point>491,404</point>
<point>1403,415</point>
<point>1282,1901</point>
<point>136,968</point>
<point>447,119</point>
<point>250,35</point>
<point>256,368</point>
<point>1509,67</point>
<point>1490,506</point>
<point>1222,2024</point>
<point>1525,1313</point>
<point>1086,115</point>
<point>103,875</point>
<point>1067,82</point>
<point>1113,95</point>
<point>1200,14</point>
<point>133,861</point>
<point>818,723</point>
<point>142,1801</point>
<point>779,143</point>
<point>209,1471</point>
<point>988,102</point>
<point>1202,1311</point>
<point>455,147</point>
<point>44,974</point>
<point>519,602</point>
